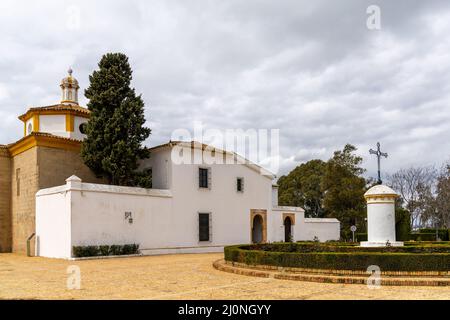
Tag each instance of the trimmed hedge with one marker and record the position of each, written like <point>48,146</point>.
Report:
<point>360,237</point>
<point>105,250</point>
<point>402,224</point>
<point>342,258</point>
<point>423,236</point>
<point>345,247</point>
<point>444,234</point>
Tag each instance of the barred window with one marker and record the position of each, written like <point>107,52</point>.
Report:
<point>204,226</point>
<point>203,178</point>
<point>240,184</point>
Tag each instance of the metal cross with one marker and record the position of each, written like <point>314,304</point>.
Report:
<point>379,154</point>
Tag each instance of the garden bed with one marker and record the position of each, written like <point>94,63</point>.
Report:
<point>105,250</point>
<point>414,256</point>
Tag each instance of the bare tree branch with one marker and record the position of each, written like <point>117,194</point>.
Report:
<point>415,186</point>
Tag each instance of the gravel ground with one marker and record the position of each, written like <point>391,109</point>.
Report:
<point>188,276</point>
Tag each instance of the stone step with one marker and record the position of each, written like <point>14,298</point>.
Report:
<point>355,273</point>
<point>328,278</point>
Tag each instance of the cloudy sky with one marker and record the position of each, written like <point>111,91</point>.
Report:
<point>309,68</point>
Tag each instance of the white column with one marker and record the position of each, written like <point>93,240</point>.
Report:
<point>380,217</point>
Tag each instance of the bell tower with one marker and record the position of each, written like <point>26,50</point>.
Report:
<point>69,87</point>
<point>66,119</point>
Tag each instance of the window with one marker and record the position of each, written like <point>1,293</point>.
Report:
<point>203,178</point>
<point>204,226</point>
<point>240,184</point>
<point>83,128</point>
<point>30,128</point>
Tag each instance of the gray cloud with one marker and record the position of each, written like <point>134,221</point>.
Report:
<point>310,68</point>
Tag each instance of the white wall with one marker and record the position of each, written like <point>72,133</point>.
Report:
<point>167,220</point>
<point>54,124</point>
<point>323,229</point>
<point>98,216</point>
<point>53,223</point>
<point>159,162</point>
<point>76,134</point>
<point>81,214</point>
<point>230,209</point>
<point>274,196</point>
<point>276,223</point>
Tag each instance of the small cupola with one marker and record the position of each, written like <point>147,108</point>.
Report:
<point>69,87</point>
<point>66,119</point>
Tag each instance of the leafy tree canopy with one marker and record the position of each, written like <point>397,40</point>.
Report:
<point>344,188</point>
<point>302,188</point>
<point>329,189</point>
<point>115,131</point>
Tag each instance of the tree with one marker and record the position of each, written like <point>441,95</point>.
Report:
<point>443,198</point>
<point>414,185</point>
<point>302,188</point>
<point>402,223</point>
<point>426,206</point>
<point>115,131</point>
<point>344,189</point>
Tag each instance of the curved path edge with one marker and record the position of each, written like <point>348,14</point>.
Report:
<point>328,277</point>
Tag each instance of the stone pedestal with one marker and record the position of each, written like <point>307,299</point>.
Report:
<point>369,244</point>
<point>381,217</point>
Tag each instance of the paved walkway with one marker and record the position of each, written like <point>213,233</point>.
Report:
<point>173,277</point>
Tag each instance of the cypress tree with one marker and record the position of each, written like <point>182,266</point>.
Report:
<point>115,131</point>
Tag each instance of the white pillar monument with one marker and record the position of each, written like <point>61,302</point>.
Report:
<point>380,217</point>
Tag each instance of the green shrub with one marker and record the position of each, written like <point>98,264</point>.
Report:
<point>426,257</point>
<point>402,224</point>
<point>361,237</point>
<point>346,247</point>
<point>346,235</point>
<point>129,249</point>
<point>423,236</point>
<point>104,250</point>
<point>85,251</point>
<point>443,233</point>
<point>115,250</point>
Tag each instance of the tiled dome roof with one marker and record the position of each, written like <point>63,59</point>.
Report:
<point>69,81</point>
<point>380,190</point>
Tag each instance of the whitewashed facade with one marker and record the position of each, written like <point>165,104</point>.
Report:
<point>191,208</point>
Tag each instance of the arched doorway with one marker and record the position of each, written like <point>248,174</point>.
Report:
<point>257,230</point>
<point>287,229</point>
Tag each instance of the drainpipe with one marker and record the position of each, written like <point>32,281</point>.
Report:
<point>28,244</point>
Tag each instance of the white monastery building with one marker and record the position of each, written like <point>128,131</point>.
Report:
<point>192,207</point>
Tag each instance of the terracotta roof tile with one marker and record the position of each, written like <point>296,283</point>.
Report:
<point>43,134</point>
<point>56,107</point>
